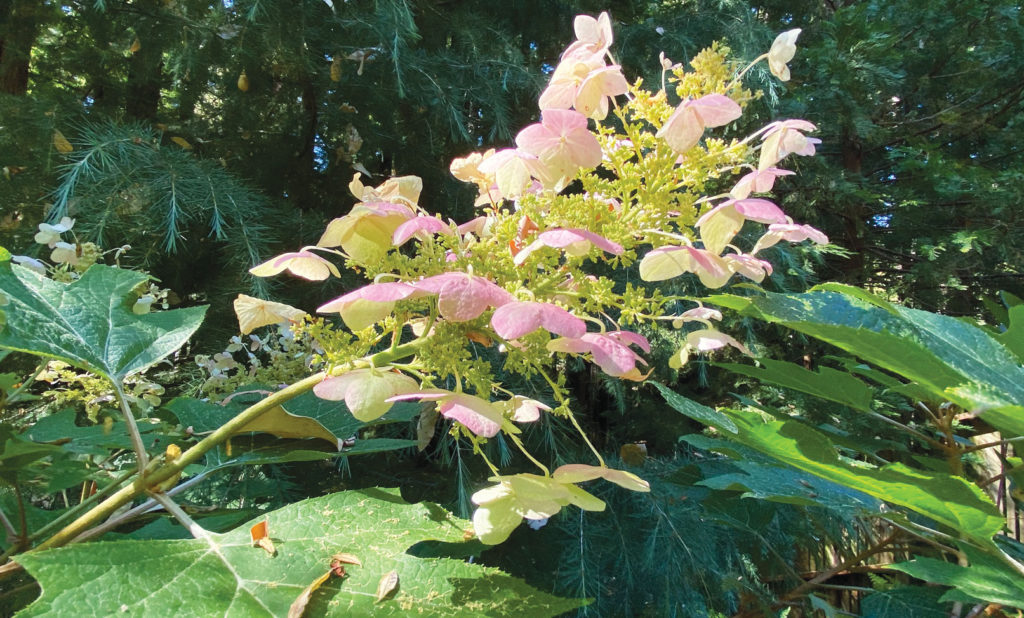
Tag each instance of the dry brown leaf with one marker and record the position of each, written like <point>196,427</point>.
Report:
<point>425,426</point>
<point>261,538</point>
<point>243,82</point>
<point>336,69</point>
<point>136,45</point>
<point>346,559</point>
<point>255,312</point>
<point>633,454</point>
<point>181,141</point>
<point>61,143</point>
<point>300,603</point>
<point>387,586</point>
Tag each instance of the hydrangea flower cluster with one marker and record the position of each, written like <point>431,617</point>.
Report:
<point>610,177</point>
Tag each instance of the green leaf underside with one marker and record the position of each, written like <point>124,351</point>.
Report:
<point>987,578</point>
<point>826,383</point>
<point>230,577</point>
<point>204,416</point>
<point>904,602</point>
<point>258,451</point>
<point>949,357</point>
<point>89,322</point>
<point>947,499</point>
<point>790,486</point>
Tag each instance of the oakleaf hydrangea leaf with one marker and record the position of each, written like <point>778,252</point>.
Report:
<point>226,576</point>
<point>89,322</point>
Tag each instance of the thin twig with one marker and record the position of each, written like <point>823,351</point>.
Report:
<point>133,428</point>
<point>187,522</point>
<point>8,526</point>
<point>145,507</point>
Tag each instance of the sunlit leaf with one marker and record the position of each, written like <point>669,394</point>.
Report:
<point>222,577</point>
<point>89,322</point>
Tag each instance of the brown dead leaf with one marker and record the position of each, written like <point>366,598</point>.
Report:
<point>61,143</point>
<point>387,586</point>
<point>426,426</point>
<point>299,605</point>
<point>261,538</point>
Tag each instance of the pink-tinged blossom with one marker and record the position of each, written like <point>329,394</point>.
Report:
<point>686,125</point>
<point>701,313</point>
<point>790,232</point>
<point>480,416</point>
<point>758,181</point>
<point>593,36</point>
<point>562,142</point>
<point>708,340</point>
<point>748,266</point>
<point>305,264</point>
<point>365,233</point>
<point>668,262</point>
<point>580,473</point>
<point>610,351</point>
<point>462,297</point>
<point>583,81</point>
<point>782,51</point>
<point>597,89</point>
<point>369,304</point>
<point>524,410</point>
<point>365,391</point>
<point>574,241</point>
<point>785,137</point>
<point>719,225</point>
<point>513,320</point>
<point>513,170</point>
<point>478,226</point>
<point>420,227</point>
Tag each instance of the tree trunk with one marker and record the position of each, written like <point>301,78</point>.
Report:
<point>19,21</point>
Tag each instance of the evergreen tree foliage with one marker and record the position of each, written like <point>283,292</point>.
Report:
<point>921,110</point>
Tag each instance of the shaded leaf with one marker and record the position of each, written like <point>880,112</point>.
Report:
<point>696,411</point>
<point>60,428</point>
<point>904,602</point>
<point>790,486</point>
<point>986,578</point>
<point>200,578</point>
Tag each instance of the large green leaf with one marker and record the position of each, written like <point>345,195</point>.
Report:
<point>228,576</point>
<point>89,322</point>
<point>827,383</point>
<point>987,578</point>
<point>949,357</point>
<point>947,499</point>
